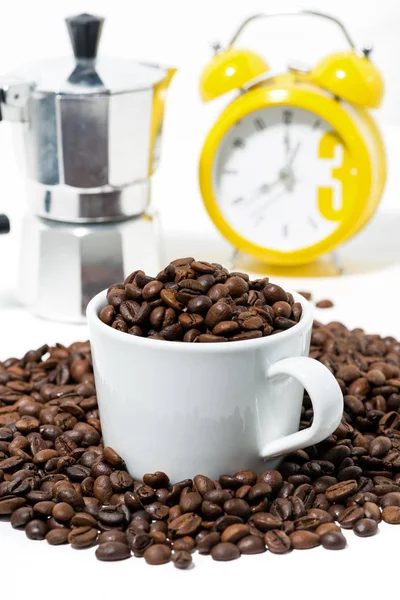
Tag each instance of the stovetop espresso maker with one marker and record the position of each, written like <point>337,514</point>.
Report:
<point>91,129</point>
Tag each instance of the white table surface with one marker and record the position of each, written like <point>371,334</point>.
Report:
<point>366,295</point>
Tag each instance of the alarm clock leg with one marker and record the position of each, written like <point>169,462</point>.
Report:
<point>232,260</point>
<point>338,262</point>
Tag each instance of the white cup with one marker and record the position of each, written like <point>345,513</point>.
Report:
<point>209,408</point>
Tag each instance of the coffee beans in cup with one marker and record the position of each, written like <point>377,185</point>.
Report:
<point>199,302</point>
<point>60,484</point>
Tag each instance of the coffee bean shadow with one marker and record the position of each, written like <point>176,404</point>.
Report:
<point>4,519</point>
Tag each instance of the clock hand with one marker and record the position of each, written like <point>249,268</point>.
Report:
<point>286,141</point>
<point>286,174</point>
<point>293,154</point>
<point>259,215</point>
<point>264,188</point>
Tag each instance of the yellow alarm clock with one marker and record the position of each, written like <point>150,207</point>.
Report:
<point>295,164</point>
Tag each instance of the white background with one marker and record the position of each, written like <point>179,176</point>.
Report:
<point>179,33</point>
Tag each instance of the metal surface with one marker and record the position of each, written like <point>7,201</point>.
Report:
<point>4,224</point>
<point>72,205</point>
<point>63,266</point>
<point>105,75</point>
<point>293,13</point>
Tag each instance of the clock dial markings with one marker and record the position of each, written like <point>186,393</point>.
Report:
<point>287,116</point>
<point>238,143</point>
<point>266,178</point>
<point>312,223</point>
<point>259,124</point>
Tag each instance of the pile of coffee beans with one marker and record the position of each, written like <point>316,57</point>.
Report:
<point>192,301</point>
<point>60,484</point>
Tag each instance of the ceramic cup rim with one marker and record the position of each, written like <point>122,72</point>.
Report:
<point>100,301</point>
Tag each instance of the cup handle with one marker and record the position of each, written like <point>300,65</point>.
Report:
<point>326,398</point>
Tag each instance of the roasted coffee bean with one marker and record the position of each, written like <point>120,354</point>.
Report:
<point>203,484</point>
<point>113,535</point>
<point>21,517</point>
<point>391,514</point>
<point>63,511</point>
<point>56,537</point>
<point>102,489</point>
<point>225,551</point>
<point>325,527</point>
<point>223,522</point>
<point>282,508</point>
<point>78,472</point>
<point>371,511</point>
<point>211,511</point>
<point>82,537</point>
<point>182,559</point>
<point>266,521</point>
<point>380,446</point>
<point>191,502</point>
<point>246,477</point>
<point>272,478</point>
<point>350,516</point>
<point>323,516</point>
<point>10,503</point>
<point>304,540</point>
<point>207,542</point>
<point>185,543</point>
<point>36,529</point>
<point>218,496</point>
<point>258,492</point>
<point>251,544</point>
<point>390,499</point>
<point>121,481</point>
<point>234,533</point>
<point>43,509</point>
<point>138,541</point>
<point>342,490</point>
<point>83,519</point>
<point>141,515</point>
<point>157,554</point>
<point>111,516</point>
<point>365,527</point>
<point>199,304</point>
<point>333,540</point>
<point>186,524</point>
<point>277,541</point>
<point>237,507</point>
<point>132,501</point>
<point>111,551</point>
<point>157,510</point>
<point>274,293</point>
<point>217,292</point>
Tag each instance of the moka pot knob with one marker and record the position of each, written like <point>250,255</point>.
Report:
<point>85,31</point>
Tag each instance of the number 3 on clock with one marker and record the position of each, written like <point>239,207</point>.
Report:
<point>344,174</point>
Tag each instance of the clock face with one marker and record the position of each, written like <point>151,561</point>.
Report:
<point>280,178</point>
